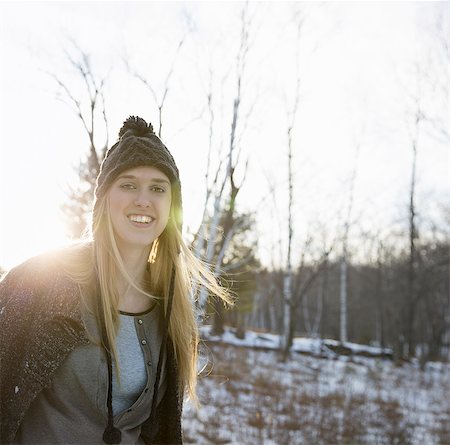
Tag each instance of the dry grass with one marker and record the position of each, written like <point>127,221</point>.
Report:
<point>252,398</point>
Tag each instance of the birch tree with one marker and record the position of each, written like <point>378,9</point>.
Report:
<point>292,106</point>
<point>286,339</point>
<point>220,222</point>
<point>343,294</point>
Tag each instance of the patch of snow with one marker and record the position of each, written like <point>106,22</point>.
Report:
<point>270,341</point>
<point>250,396</point>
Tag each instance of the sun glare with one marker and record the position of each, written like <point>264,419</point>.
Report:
<point>35,228</point>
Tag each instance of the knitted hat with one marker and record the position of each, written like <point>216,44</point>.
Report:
<point>139,146</point>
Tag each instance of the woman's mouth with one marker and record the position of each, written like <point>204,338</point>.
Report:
<point>141,219</point>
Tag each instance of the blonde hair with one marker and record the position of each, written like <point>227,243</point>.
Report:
<point>101,263</point>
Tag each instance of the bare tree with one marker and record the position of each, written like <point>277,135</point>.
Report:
<point>436,76</point>
<point>161,97</point>
<point>427,109</point>
<point>428,104</point>
<point>415,117</point>
<point>286,339</point>
<point>229,221</point>
<point>219,227</point>
<point>289,302</point>
<point>314,299</point>
<point>306,276</point>
<point>89,108</point>
<point>413,232</point>
<point>344,258</point>
<point>380,291</point>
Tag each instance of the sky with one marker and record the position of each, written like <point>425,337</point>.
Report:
<point>356,63</point>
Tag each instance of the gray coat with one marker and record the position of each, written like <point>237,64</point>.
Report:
<point>40,324</point>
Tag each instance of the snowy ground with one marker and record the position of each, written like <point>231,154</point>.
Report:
<point>251,397</point>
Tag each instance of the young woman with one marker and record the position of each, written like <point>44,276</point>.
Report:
<point>99,340</point>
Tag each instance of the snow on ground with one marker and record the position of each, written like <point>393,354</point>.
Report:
<point>249,396</point>
<point>263,340</point>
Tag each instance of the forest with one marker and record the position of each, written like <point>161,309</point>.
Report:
<point>320,241</point>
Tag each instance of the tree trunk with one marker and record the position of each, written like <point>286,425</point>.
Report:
<point>324,283</point>
<point>217,327</point>
<point>412,248</point>
<point>343,300</point>
<point>380,305</point>
<point>287,314</point>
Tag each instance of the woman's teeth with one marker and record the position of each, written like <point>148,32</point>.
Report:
<point>141,219</point>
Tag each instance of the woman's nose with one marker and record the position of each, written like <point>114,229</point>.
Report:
<point>142,200</point>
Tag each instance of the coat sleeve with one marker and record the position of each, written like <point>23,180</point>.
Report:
<point>17,298</point>
<point>19,289</point>
<point>20,297</point>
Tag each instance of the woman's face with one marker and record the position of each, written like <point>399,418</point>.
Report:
<point>139,206</point>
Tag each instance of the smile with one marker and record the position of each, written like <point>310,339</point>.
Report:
<point>142,219</point>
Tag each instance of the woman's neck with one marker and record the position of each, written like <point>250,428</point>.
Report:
<point>135,263</point>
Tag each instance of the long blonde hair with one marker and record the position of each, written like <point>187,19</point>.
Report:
<point>101,263</point>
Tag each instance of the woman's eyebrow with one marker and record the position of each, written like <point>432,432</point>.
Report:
<point>158,180</point>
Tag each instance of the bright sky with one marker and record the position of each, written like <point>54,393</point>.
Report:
<point>353,90</point>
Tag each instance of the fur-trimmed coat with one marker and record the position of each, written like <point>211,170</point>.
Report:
<point>40,324</point>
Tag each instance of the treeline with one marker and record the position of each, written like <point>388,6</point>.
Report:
<point>380,309</point>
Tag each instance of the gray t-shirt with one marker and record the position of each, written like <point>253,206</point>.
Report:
<point>73,409</point>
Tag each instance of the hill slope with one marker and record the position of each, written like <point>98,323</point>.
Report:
<point>250,397</point>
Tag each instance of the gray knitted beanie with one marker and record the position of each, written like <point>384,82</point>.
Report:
<point>139,146</point>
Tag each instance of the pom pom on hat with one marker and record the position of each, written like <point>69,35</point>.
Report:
<point>136,126</point>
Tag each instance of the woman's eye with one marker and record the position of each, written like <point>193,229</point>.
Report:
<point>158,189</point>
<point>128,186</point>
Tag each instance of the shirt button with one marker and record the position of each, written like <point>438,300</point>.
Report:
<point>140,321</point>
<point>149,363</point>
<point>144,342</point>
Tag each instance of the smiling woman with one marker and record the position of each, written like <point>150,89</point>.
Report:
<point>139,205</point>
<point>106,329</point>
